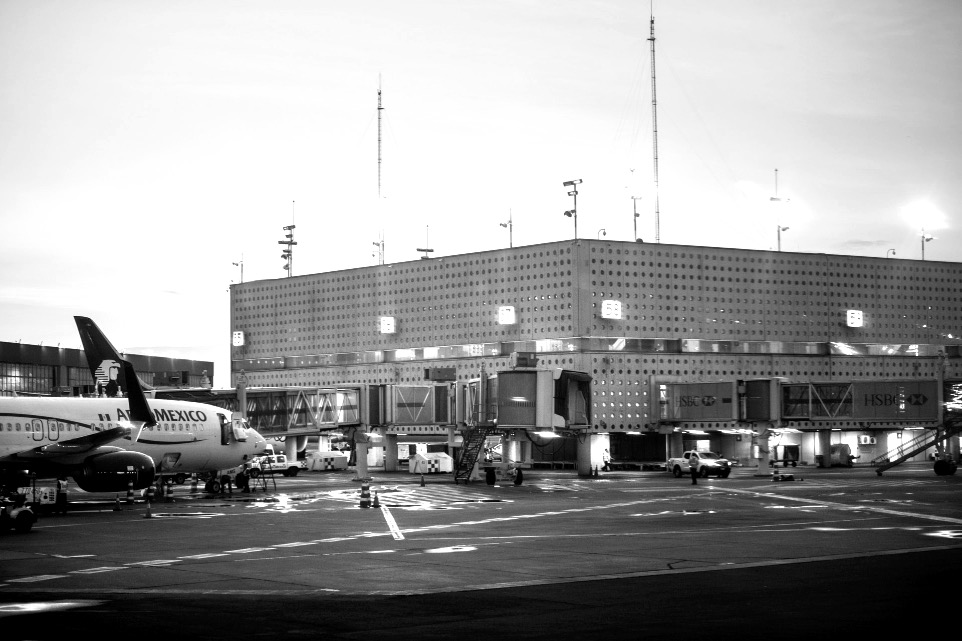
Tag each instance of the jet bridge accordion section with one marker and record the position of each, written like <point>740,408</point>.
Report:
<point>408,405</point>
<point>862,401</point>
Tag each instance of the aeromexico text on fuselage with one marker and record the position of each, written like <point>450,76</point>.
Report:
<point>163,415</point>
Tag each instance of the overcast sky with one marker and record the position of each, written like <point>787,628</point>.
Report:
<point>146,146</point>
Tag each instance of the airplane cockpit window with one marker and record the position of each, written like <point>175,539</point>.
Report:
<point>239,424</point>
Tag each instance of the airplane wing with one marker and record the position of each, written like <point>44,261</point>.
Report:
<point>77,445</point>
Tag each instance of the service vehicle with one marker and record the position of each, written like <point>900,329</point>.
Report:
<point>276,463</point>
<point>709,464</point>
<point>16,514</point>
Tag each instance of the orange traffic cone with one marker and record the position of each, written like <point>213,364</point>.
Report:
<point>376,502</point>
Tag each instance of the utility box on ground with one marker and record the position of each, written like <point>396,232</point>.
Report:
<point>324,461</point>
<point>430,463</point>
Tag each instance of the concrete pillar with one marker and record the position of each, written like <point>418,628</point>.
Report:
<point>242,394</point>
<point>375,449</point>
<point>324,442</point>
<point>590,452</point>
<point>764,449</point>
<point>390,453</point>
<point>676,444</point>
<point>824,448</point>
<point>361,440</point>
<point>290,448</point>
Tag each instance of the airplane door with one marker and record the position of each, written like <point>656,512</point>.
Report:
<point>37,428</point>
<point>53,430</point>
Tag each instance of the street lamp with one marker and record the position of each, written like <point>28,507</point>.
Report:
<point>510,227</point>
<point>891,251</point>
<point>573,212</point>
<point>602,232</point>
<point>925,239</point>
<point>780,230</point>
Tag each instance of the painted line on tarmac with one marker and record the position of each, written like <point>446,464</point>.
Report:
<point>392,524</point>
<point>843,506</point>
<point>489,586</point>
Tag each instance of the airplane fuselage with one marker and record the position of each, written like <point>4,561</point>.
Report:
<point>188,437</point>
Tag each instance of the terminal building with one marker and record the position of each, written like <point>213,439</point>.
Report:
<point>765,357</point>
<point>46,370</point>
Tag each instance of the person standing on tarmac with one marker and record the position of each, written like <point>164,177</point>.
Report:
<point>60,503</point>
<point>693,467</point>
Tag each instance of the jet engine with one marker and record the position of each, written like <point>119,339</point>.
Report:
<point>113,471</point>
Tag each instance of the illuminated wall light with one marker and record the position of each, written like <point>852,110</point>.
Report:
<point>611,309</point>
<point>506,315</point>
<point>387,325</point>
<point>853,318</point>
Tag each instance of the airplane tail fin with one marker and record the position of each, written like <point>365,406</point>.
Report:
<point>104,361</point>
<point>139,409</point>
<point>113,374</point>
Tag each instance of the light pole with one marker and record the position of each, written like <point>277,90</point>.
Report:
<point>510,226</point>
<point>780,230</point>
<point>925,239</point>
<point>634,207</point>
<point>240,264</point>
<point>573,212</point>
<point>602,232</point>
<point>288,254</point>
<point>891,251</point>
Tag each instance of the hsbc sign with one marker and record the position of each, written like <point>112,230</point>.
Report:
<point>698,401</point>
<point>896,400</point>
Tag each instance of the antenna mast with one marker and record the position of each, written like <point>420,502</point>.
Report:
<point>654,122</point>
<point>379,109</point>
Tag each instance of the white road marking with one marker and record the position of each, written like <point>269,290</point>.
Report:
<point>392,524</point>
<point>843,506</point>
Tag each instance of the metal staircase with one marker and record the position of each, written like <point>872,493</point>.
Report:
<point>917,445</point>
<point>473,445</point>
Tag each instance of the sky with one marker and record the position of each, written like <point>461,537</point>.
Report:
<point>152,152</point>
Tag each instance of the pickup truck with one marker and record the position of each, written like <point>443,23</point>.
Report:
<point>276,463</point>
<point>709,464</point>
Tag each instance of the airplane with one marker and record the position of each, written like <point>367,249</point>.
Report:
<point>52,437</point>
<point>109,443</point>
<point>187,437</point>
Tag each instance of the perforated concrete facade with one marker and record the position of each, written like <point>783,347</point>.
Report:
<point>690,314</point>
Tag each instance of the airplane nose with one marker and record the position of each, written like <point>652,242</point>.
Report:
<point>260,443</point>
